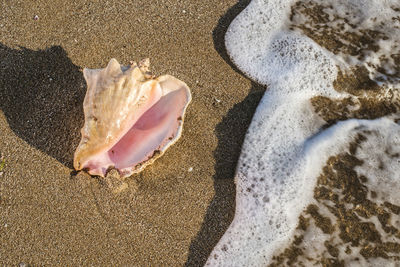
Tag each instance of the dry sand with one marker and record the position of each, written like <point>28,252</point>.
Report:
<point>167,216</point>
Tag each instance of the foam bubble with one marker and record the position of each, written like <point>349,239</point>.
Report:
<point>287,142</point>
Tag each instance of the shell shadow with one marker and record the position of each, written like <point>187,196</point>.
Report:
<point>230,133</point>
<point>41,95</point>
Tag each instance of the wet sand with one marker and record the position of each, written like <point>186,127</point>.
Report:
<point>168,215</point>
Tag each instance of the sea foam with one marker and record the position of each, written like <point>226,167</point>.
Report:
<point>330,109</point>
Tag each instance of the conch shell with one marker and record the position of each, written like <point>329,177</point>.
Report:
<point>131,118</point>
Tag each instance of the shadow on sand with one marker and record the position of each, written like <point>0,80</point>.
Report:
<point>41,95</point>
<point>230,133</point>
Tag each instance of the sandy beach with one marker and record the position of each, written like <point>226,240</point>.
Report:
<point>168,215</point>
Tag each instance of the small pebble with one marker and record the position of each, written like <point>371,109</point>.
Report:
<point>190,169</point>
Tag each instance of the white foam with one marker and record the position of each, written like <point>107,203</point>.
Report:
<point>364,18</point>
<point>278,167</point>
<point>380,167</point>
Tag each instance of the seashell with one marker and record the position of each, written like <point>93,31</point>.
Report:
<point>131,118</point>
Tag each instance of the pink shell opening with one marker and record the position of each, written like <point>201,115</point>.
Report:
<point>151,134</point>
<point>130,118</point>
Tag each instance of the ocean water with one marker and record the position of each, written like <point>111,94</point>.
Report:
<point>318,179</point>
